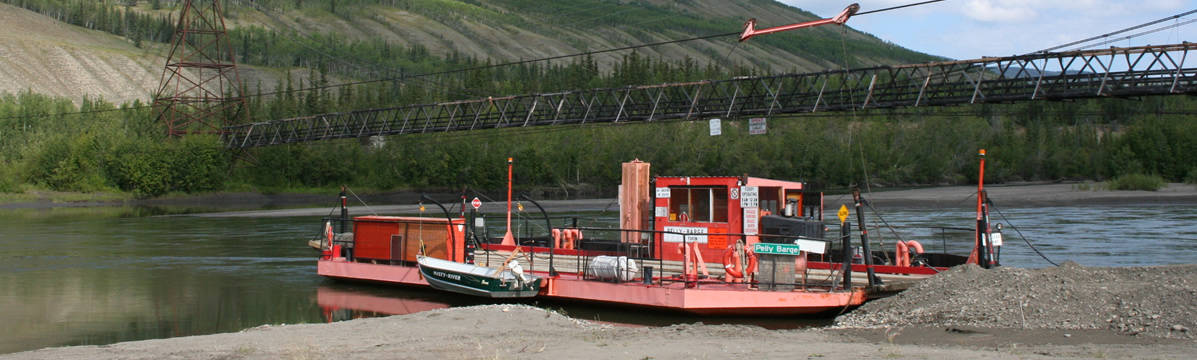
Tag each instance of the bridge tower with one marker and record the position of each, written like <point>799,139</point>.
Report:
<point>200,91</point>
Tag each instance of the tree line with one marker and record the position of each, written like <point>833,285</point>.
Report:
<point>1038,141</point>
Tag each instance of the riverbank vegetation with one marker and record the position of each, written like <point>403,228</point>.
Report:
<point>1136,143</point>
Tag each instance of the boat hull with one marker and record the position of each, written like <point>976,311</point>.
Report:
<point>704,299</point>
<point>477,285</point>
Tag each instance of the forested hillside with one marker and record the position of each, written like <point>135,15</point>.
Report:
<point>367,39</point>
<point>316,43</point>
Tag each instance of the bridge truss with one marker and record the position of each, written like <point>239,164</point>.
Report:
<point>1113,72</point>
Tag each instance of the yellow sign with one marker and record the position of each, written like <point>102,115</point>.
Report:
<point>843,213</point>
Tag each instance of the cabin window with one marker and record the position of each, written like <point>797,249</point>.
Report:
<point>698,204</point>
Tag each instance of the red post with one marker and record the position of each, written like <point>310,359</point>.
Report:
<point>507,238</point>
<point>974,257</point>
<point>980,182</point>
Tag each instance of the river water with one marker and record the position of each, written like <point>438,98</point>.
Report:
<point>74,276</point>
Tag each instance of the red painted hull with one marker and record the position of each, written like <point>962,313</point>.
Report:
<point>880,269</point>
<point>705,299</point>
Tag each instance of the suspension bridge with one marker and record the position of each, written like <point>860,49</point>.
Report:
<point>1113,72</point>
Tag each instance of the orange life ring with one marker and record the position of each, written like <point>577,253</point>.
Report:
<point>918,248</point>
<point>902,253</point>
<point>734,270</point>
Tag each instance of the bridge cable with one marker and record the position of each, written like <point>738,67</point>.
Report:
<point>896,7</point>
<point>1128,37</point>
<point>1149,23</point>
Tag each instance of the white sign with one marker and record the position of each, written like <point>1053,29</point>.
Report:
<point>662,193</point>
<point>995,239</point>
<point>661,211</point>
<point>812,246</point>
<point>756,126</point>
<point>749,197</point>
<point>752,217</point>
<point>735,194</point>
<point>476,203</point>
<point>716,127</point>
<point>672,234</point>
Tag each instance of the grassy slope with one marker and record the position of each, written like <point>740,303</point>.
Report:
<point>45,56</point>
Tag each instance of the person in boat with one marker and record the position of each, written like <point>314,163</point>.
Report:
<point>518,270</point>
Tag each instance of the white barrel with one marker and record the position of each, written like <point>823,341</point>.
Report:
<point>610,267</point>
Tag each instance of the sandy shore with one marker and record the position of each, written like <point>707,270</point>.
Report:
<point>521,332</point>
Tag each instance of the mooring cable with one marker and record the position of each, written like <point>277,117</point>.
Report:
<point>361,201</point>
<point>1024,238</point>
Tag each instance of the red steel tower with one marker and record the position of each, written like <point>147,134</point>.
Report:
<point>200,91</point>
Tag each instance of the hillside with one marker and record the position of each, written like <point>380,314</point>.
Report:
<point>74,62</point>
<point>45,56</point>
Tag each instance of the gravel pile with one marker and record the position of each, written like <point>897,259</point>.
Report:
<point>1156,301</point>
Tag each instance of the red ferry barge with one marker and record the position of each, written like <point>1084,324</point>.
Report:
<point>701,245</point>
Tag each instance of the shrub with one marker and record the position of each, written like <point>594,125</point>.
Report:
<point>197,164</point>
<point>7,183</point>
<point>1191,178</point>
<point>140,167</point>
<point>1137,182</point>
<point>68,163</point>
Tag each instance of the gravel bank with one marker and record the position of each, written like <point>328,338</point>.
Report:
<point>522,332</point>
<point>1158,301</point>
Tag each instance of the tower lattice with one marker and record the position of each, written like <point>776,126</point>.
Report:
<point>200,91</point>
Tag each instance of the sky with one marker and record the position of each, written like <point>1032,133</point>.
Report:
<point>970,29</point>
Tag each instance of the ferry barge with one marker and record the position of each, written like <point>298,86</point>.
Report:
<point>701,245</point>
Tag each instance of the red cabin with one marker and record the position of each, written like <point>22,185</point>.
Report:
<point>721,205</point>
<point>396,239</point>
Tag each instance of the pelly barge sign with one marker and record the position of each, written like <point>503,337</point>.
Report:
<point>817,247</point>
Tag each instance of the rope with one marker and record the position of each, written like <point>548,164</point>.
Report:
<point>1024,238</point>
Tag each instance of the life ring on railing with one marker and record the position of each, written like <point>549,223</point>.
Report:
<point>570,238</point>
<point>732,266</point>
<point>902,252</point>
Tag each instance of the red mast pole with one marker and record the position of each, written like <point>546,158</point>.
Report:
<point>978,247</point>
<point>507,238</point>
<point>980,183</point>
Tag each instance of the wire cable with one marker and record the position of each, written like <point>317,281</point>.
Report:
<point>1128,37</point>
<point>1143,25</point>
<point>896,7</point>
<point>1024,238</point>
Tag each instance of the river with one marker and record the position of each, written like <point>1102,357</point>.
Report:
<point>74,276</point>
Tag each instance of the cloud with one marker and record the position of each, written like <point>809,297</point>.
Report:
<point>965,29</point>
<point>1005,11</point>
